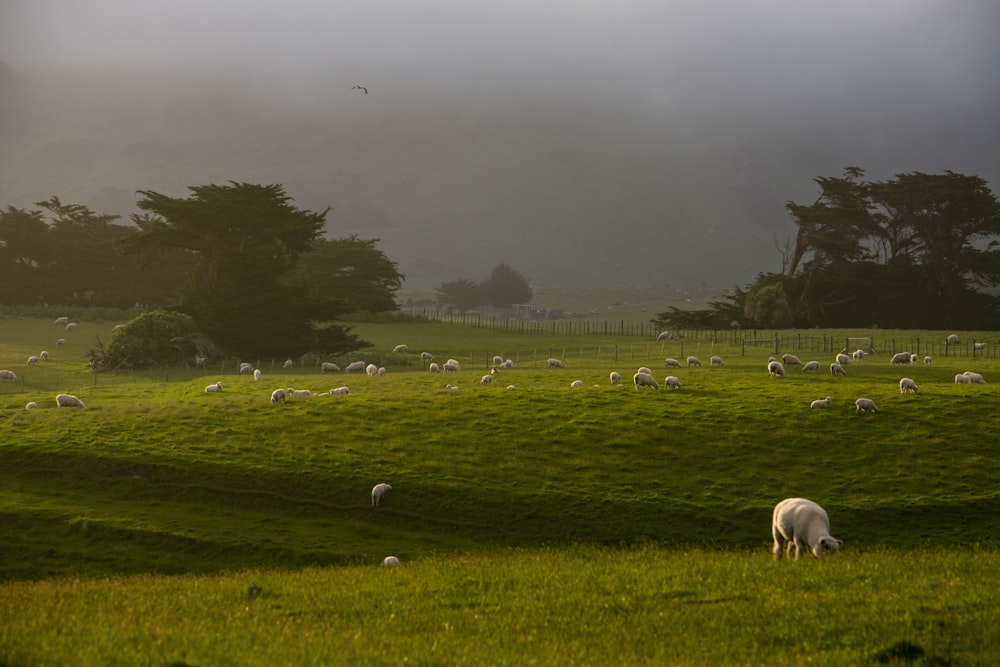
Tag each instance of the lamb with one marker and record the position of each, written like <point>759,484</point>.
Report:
<point>952,339</point>
<point>390,561</point>
<point>616,377</point>
<point>340,391</point>
<point>863,405</point>
<point>426,356</point>
<point>843,359</point>
<point>256,374</point>
<point>62,321</point>
<point>329,367</point>
<point>672,363</point>
<point>907,386</point>
<point>278,396</point>
<point>822,403</point>
<point>837,369</point>
<point>451,387</point>
<point>486,379</point>
<point>775,369</point>
<point>715,361</point>
<point>811,367</point>
<point>371,370</point>
<point>576,384</point>
<point>556,363</point>
<point>974,378</point>
<point>401,349</point>
<point>214,388</point>
<point>8,376</point>
<point>645,380</point>
<point>693,361</point>
<point>378,492</point>
<point>246,369</point>
<point>790,360</point>
<point>434,368</point>
<point>68,401</point>
<point>672,382</point>
<point>32,360</point>
<point>355,367</point>
<point>901,358</point>
<point>452,366</point>
<point>797,523</point>
<point>298,393</point>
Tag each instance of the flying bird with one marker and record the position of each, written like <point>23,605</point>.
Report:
<point>361,88</point>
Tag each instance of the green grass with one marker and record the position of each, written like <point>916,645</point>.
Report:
<point>585,525</point>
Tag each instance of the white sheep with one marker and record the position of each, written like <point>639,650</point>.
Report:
<point>644,369</point>
<point>401,349</point>
<point>381,371</point>
<point>962,378</point>
<point>974,378</point>
<point>378,491</point>
<point>907,386</point>
<point>790,360</point>
<point>693,361</point>
<point>928,360</point>
<point>451,387</point>
<point>715,361</point>
<point>486,379</point>
<point>426,356</point>
<point>8,376</point>
<point>452,366</point>
<point>901,358</point>
<point>645,380</point>
<point>60,342</point>
<point>278,396</point>
<point>497,360</point>
<point>837,369</point>
<point>200,361</point>
<point>914,358</point>
<point>355,367</point>
<point>822,403</point>
<point>810,367</point>
<point>672,363</point>
<point>257,374</point>
<point>288,364</point>
<point>71,325</point>
<point>214,388</point>
<point>68,401</point>
<point>979,346</point>
<point>371,370</point>
<point>62,321</point>
<point>340,391</point>
<point>390,561</point>
<point>43,355</point>
<point>510,386</point>
<point>30,405</point>
<point>663,335</point>
<point>672,382</point>
<point>775,369</point>
<point>952,339</point>
<point>858,355</point>
<point>434,367</point>
<point>556,363</point>
<point>329,367</point>
<point>298,393</point>
<point>863,405</point>
<point>797,523</point>
<point>844,360</point>
<point>32,360</point>
<point>616,377</point>
<point>576,384</point>
<point>246,369</point>
<point>507,365</point>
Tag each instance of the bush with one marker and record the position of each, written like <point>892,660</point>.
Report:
<point>156,338</point>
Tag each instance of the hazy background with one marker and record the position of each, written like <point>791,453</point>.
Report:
<point>584,143</point>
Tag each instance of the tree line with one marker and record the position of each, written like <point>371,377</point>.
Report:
<point>504,288</point>
<point>914,251</point>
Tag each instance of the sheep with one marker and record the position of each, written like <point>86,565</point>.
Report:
<point>381,371</point>
<point>843,359</point>
<point>952,340</point>
<point>486,379</point>
<point>246,369</point>
<point>378,492</point>
<point>510,386</point>
<point>434,368</point>
<point>62,321</point>
<point>8,376</point>
<point>401,349</point>
<point>497,360</point>
<point>576,384</point>
<point>863,405</point>
<point>256,374</point>
<point>962,378</point>
<point>790,360</point>
<point>901,358</point>
<point>772,358</point>
<point>32,360</point>
<point>644,369</point>
<point>979,346</point>
<point>355,367</point>
<point>60,342</point>
<point>822,403</point>
<point>672,382</point>
<point>200,361</point>
<point>426,357</point>
<point>288,364</point>
<point>340,391</point>
<point>837,369</point>
<point>811,367</point>
<point>390,561</point>
<point>71,325</point>
<point>213,388</point>
<point>663,335</point>
<point>693,361</point>
<point>616,377</point>
<point>556,363</point>
<point>68,401</point>
<point>928,361</point>
<point>907,386</point>
<point>974,378</point>
<point>30,405</point>
<point>775,369</point>
<point>329,367</point>
<point>452,366</point>
<point>858,355</point>
<point>507,365</point>
<point>797,523</point>
<point>298,393</point>
<point>451,387</point>
<point>645,380</point>
<point>913,358</point>
<point>672,363</point>
<point>278,396</point>
<point>715,361</point>
<point>371,370</point>
<point>43,355</point>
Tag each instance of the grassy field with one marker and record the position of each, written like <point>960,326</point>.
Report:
<point>536,524</point>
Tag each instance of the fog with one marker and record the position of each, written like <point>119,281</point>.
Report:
<point>583,143</point>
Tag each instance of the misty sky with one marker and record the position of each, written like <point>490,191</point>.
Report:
<point>640,127</point>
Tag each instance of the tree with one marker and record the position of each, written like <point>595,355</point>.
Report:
<point>505,287</point>
<point>462,294</point>
<point>154,338</point>
<point>353,272</point>
<point>247,239</point>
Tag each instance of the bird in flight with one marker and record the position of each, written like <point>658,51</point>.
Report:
<point>361,88</point>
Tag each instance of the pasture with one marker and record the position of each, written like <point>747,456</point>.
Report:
<point>535,524</point>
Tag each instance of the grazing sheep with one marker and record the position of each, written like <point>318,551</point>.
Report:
<point>371,370</point>
<point>672,382</point>
<point>43,355</point>
<point>256,374</point>
<point>246,369</point>
<point>340,391</point>
<point>863,405</point>
<point>329,367</point>
<point>974,378</point>
<point>979,346</point>
<point>616,377</point>
<point>62,321</point>
<point>278,396</point>
<point>71,325</point>
<point>9,376</point>
<point>556,363</point>
<point>486,379</point>
<point>452,366</point>
<point>507,365</point>
<point>901,358</point>
<point>576,384</point>
<point>68,401</point>
<point>645,380</point>
<point>644,369</point>
<point>715,361</point>
<point>497,360</point>
<point>913,358</point>
<point>822,403</point>
<point>693,361</point>
<point>770,359</point>
<point>663,335</point>
<point>32,360</point>
<point>837,369</point>
<point>390,561</point>
<point>928,361</point>
<point>30,405</point>
<point>60,342</point>
<point>798,523</point>
<point>355,367</point>
<point>672,363</point>
<point>907,386</point>
<point>426,356</point>
<point>214,388</point>
<point>288,364</point>
<point>401,349</point>
<point>811,367</point>
<point>858,355</point>
<point>775,369</point>
<point>510,386</point>
<point>381,371</point>
<point>952,340</point>
<point>451,387</point>
<point>962,378</point>
<point>790,360</point>
<point>434,368</point>
<point>843,359</point>
<point>378,491</point>
<point>298,393</point>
